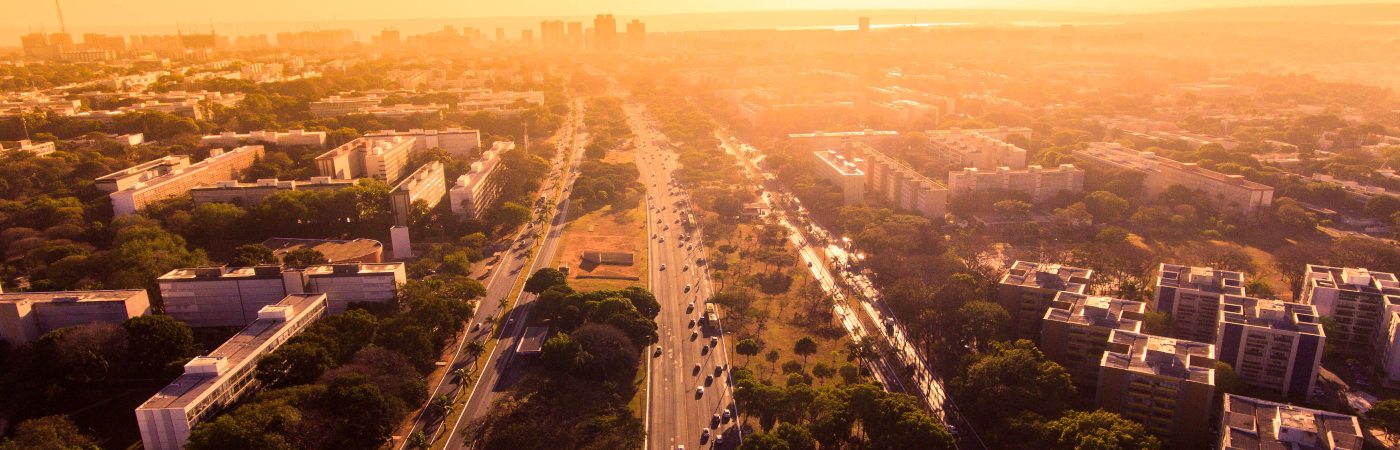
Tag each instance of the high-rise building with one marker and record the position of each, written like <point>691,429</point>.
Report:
<point>1029,288</point>
<point>1192,297</point>
<point>636,35</point>
<point>1254,424</point>
<point>552,34</point>
<point>575,36</point>
<point>1166,384</point>
<point>1039,183</point>
<point>389,38</point>
<point>604,32</point>
<point>1271,344</point>
<point>527,38</point>
<point>213,382</point>
<point>24,316</point>
<point>843,172</point>
<point>1355,299</point>
<point>1075,331</point>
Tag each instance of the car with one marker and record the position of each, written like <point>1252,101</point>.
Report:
<point>476,326</point>
<point>510,322</point>
<point>714,420</point>
<point>714,341</point>
<point>705,433</point>
<point>704,350</point>
<point>727,413</point>
<point>666,227</point>
<point>696,370</point>
<point>685,268</point>
<point>953,430</point>
<point>658,351</point>
<point>709,379</point>
<point>688,246</point>
<point>687,288</point>
<point>663,266</point>
<point>690,307</point>
<point>719,439</point>
<point>663,239</point>
<point>692,323</point>
<point>699,391</point>
<point>694,334</point>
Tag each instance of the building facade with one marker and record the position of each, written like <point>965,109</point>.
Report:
<point>24,316</point>
<point>219,166</point>
<point>1039,183</point>
<point>1271,344</point>
<point>900,184</point>
<point>384,159</point>
<point>292,137</point>
<point>1076,329</point>
<point>131,176</point>
<point>843,172</point>
<point>1192,297</point>
<point>231,297</point>
<point>820,140</point>
<point>1166,384</point>
<point>1229,192</point>
<point>212,383</point>
<point>982,149</point>
<point>427,184</point>
<point>1355,299</point>
<point>476,190</point>
<point>456,141</point>
<point>1028,289</point>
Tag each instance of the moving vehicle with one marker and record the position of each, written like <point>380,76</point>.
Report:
<point>663,266</point>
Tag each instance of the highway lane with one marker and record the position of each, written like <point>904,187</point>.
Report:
<point>676,414</point>
<point>496,376</point>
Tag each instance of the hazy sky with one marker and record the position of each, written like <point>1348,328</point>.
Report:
<point>93,13</point>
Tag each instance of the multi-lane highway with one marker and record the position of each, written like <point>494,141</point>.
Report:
<point>692,355</point>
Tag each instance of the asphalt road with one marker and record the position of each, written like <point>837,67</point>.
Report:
<point>497,376</point>
<point>676,413</point>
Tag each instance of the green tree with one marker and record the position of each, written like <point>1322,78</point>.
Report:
<point>303,257</point>
<point>561,354</point>
<point>143,251</point>
<point>796,436</point>
<point>252,255</point>
<point>764,441</point>
<point>156,344</point>
<point>980,323</point>
<point>1013,376</point>
<point>805,347</point>
<point>1106,206</point>
<point>475,348</point>
<point>508,216</point>
<point>1098,430</point>
<point>48,433</point>
<point>263,425</point>
<point>294,363</point>
<point>748,348</point>
<point>1386,416</point>
<point>544,279</point>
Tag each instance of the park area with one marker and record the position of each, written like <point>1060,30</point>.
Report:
<point>607,233</point>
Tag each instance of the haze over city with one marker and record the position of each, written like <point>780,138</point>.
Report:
<point>603,224</point>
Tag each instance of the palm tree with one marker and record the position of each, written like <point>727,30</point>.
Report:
<point>476,348</point>
<point>462,375</point>
<point>441,405</point>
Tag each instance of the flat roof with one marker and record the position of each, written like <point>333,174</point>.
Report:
<point>1118,155</point>
<point>839,162</point>
<point>1254,424</point>
<point>1096,310</point>
<point>215,273</point>
<point>1352,279</point>
<point>334,250</point>
<point>1272,314</point>
<point>116,295</point>
<point>1057,277</point>
<point>1204,279</point>
<point>236,351</point>
<point>163,161</point>
<point>359,269</point>
<point>1161,356</point>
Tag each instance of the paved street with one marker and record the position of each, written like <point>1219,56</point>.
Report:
<point>676,414</point>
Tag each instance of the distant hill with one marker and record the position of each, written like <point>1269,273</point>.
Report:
<point>1357,13</point>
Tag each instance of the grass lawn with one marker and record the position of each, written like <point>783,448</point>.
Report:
<point>777,320</point>
<point>605,230</point>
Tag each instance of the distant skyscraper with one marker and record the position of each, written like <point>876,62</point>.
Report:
<point>636,34</point>
<point>500,34</point>
<point>389,38</point>
<point>864,24</point>
<point>527,37</point>
<point>605,32</point>
<point>575,36</point>
<point>552,34</point>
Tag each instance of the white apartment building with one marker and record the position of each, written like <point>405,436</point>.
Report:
<point>455,141</point>
<point>428,184</point>
<point>821,140</point>
<point>1192,297</point>
<point>219,166</point>
<point>27,146</point>
<point>476,190</point>
<point>384,159</point>
<point>1271,344</point>
<point>1040,183</point>
<point>1253,424</point>
<point>336,105</point>
<point>845,173</point>
<point>24,316</point>
<point>982,149</point>
<point>231,297</point>
<point>900,184</point>
<point>1356,299</point>
<point>1229,192</point>
<point>213,382</point>
<point>253,194</point>
<point>131,176</point>
<point>292,137</point>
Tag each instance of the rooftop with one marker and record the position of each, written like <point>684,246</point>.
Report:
<point>1161,356</point>
<point>847,167</point>
<point>333,250</point>
<point>205,372</point>
<point>1047,276</point>
<point>1352,279</point>
<point>532,342</point>
<point>120,295</point>
<point>1099,311</point>
<point>1204,279</point>
<point>212,273</point>
<point>353,269</point>
<point>1274,314</point>
<point>1254,424</point>
<point>866,132</point>
<point>1117,155</point>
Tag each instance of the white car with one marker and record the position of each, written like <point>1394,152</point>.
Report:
<point>699,390</point>
<point>690,307</point>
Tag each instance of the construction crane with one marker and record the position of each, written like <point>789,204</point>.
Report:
<point>61,26</point>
